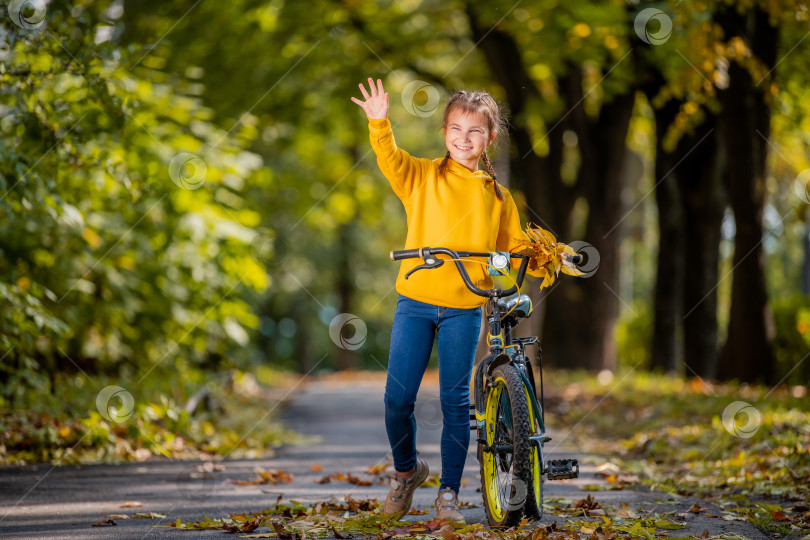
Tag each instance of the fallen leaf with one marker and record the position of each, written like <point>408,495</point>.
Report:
<point>415,512</point>
<point>696,509</point>
<point>267,477</point>
<point>104,523</point>
<point>149,515</point>
<point>779,516</point>
<point>118,516</point>
<point>316,468</point>
<point>131,504</point>
<point>448,534</point>
<point>247,526</point>
<point>282,534</point>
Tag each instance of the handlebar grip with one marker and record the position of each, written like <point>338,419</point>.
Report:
<point>404,254</point>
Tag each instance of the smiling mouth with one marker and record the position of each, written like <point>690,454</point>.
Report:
<point>463,148</point>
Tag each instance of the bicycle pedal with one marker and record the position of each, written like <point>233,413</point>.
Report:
<point>562,469</point>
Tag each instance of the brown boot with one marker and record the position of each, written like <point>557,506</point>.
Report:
<point>447,506</point>
<point>400,496</point>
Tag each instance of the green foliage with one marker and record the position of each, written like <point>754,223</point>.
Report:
<point>109,260</point>
<point>792,340</point>
<point>634,335</point>
<point>157,424</point>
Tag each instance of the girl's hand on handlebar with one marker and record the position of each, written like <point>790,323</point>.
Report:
<point>376,103</point>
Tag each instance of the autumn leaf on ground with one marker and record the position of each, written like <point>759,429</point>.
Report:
<point>434,481</point>
<point>381,472</point>
<point>339,535</point>
<point>366,505</point>
<point>415,512</point>
<point>149,515</point>
<point>131,504</point>
<point>340,477</point>
<point>248,526</point>
<point>104,523</point>
<point>207,470</point>
<point>267,477</point>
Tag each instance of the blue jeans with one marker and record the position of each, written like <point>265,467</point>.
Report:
<point>415,325</point>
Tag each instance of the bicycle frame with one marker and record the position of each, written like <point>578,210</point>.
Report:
<point>505,349</point>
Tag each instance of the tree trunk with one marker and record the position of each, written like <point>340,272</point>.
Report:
<point>570,341</point>
<point>346,358</point>
<point>667,307</point>
<point>745,119</point>
<point>602,143</point>
<point>700,176</point>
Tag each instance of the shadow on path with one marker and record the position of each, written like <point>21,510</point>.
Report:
<point>346,414</point>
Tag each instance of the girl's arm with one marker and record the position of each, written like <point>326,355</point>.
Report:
<point>510,231</point>
<point>404,172</point>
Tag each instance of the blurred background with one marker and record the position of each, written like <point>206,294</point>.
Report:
<point>191,214</point>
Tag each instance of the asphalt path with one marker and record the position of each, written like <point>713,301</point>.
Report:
<point>346,415</point>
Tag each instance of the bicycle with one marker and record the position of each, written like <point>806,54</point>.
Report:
<point>506,414</point>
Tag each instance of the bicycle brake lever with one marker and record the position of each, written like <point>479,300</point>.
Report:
<point>430,262</point>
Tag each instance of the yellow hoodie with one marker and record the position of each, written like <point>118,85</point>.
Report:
<point>455,209</point>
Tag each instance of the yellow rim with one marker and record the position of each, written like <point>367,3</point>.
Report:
<point>536,466</point>
<point>490,465</point>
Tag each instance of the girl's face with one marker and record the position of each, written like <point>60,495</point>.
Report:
<point>466,136</point>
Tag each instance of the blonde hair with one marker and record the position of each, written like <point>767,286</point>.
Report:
<point>477,103</point>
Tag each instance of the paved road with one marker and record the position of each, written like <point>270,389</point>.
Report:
<point>63,502</point>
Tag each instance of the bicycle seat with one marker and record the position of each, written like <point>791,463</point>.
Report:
<point>522,305</point>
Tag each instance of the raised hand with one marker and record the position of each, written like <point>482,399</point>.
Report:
<point>376,104</point>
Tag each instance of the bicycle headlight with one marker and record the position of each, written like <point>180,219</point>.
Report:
<point>499,261</point>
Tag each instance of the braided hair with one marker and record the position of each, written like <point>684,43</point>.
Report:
<point>477,103</point>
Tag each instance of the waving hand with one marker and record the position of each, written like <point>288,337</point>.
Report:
<point>376,103</point>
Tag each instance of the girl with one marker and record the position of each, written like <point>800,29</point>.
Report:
<point>448,203</point>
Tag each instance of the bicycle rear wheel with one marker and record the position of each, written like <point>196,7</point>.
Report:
<point>507,460</point>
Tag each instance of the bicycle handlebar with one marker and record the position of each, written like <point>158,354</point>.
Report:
<point>427,252</point>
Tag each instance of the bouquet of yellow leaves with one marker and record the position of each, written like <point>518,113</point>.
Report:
<point>547,255</point>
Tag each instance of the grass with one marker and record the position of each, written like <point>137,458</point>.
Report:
<point>682,436</point>
<point>236,418</point>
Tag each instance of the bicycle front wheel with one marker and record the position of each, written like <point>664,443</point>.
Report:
<point>507,460</point>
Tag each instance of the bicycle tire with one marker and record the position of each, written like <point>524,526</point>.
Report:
<point>534,501</point>
<point>506,464</point>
